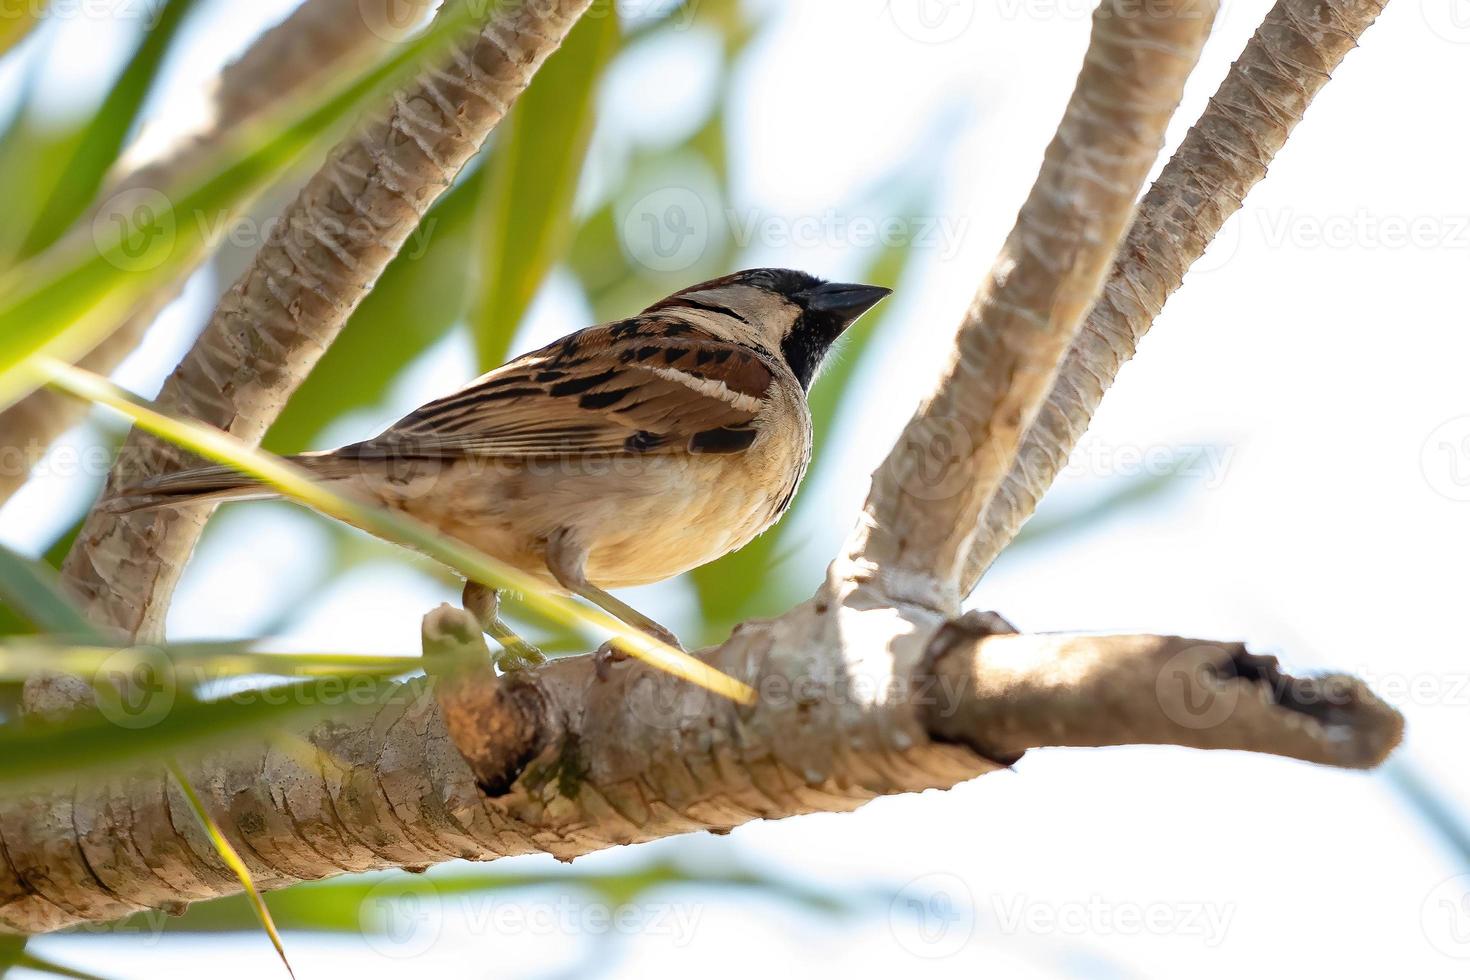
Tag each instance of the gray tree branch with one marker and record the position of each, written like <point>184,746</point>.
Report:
<point>857,700</point>
<point>928,495</point>
<point>1286,63</point>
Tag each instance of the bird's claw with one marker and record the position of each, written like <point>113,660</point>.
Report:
<point>607,655</point>
<point>611,653</point>
<point>665,635</point>
<point>518,655</point>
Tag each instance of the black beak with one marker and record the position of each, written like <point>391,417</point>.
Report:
<point>844,300</point>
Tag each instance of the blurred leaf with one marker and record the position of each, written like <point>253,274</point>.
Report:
<point>33,155</point>
<point>168,723</point>
<point>11,621</point>
<point>16,21</point>
<point>195,662</point>
<point>616,286</point>
<point>1432,805</point>
<point>102,138</point>
<point>1115,498</point>
<point>12,948</point>
<point>748,583</point>
<point>30,961</point>
<point>531,181</point>
<point>346,905</point>
<point>35,593</point>
<point>231,858</point>
<point>296,483</point>
<point>62,301</point>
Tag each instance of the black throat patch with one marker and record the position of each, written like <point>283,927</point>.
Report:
<point>810,339</point>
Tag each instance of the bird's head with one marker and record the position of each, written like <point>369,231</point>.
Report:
<point>786,312</point>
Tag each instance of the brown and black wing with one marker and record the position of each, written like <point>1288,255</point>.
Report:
<point>640,386</point>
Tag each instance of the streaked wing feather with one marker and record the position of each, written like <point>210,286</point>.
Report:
<point>638,386</point>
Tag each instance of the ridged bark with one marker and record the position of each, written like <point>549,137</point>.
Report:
<point>929,493</point>
<point>859,698</point>
<point>1286,63</point>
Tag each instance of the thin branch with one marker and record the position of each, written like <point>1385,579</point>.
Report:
<point>929,493</point>
<point>1003,694</point>
<point>855,703</point>
<point>327,251</point>
<point>1286,63</point>
<point>311,44</point>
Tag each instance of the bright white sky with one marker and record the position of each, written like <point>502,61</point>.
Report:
<point>1319,354</point>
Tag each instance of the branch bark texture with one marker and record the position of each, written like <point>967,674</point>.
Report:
<point>316,40</point>
<point>928,495</point>
<point>1225,154</point>
<point>859,698</point>
<point>272,326</point>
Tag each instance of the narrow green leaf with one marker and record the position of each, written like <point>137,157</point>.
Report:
<point>39,964</point>
<point>346,905</point>
<point>159,718</point>
<point>102,138</point>
<point>12,948</point>
<point>196,662</point>
<point>12,623</point>
<point>232,860</point>
<point>61,302</point>
<point>296,483</point>
<point>34,151</point>
<point>531,180</point>
<point>33,591</point>
<point>16,22</point>
<point>614,284</point>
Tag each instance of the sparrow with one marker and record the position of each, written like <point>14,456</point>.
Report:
<point>620,455</point>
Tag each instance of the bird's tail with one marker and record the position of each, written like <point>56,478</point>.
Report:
<point>213,483</point>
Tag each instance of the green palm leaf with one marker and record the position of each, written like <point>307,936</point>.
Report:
<point>531,181</point>
<point>61,302</point>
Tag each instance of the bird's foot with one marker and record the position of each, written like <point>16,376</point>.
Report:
<point>483,603</point>
<point>517,654</point>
